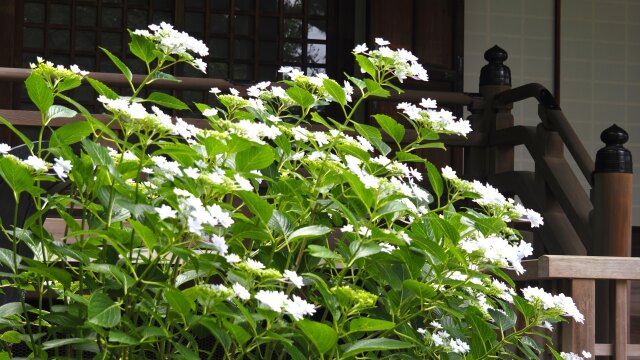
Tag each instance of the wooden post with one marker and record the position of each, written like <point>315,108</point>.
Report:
<point>612,203</point>
<point>495,77</point>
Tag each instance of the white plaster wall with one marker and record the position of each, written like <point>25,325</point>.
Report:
<point>600,63</point>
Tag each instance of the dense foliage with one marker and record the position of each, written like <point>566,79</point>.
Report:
<point>269,228</point>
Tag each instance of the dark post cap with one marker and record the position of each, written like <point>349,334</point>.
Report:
<point>614,157</point>
<point>495,72</point>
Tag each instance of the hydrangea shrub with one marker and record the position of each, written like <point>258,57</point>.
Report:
<point>270,228</point>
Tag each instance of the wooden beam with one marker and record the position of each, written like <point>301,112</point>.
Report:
<point>580,267</point>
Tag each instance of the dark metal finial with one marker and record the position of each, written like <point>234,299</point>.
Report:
<point>614,157</point>
<point>495,72</point>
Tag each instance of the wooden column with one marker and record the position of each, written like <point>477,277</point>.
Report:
<point>495,77</point>
<point>612,202</point>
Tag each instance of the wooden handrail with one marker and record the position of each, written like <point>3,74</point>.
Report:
<point>191,83</point>
<point>553,118</point>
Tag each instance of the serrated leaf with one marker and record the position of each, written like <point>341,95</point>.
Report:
<point>435,179</point>
<point>322,336</point>
<point>147,235</point>
<point>124,69</point>
<point>71,133</point>
<point>390,126</point>
<point>167,100</point>
<point>179,302</point>
<point>25,140</point>
<point>218,332</point>
<point>375,89</point>
<point>11,336</point>
<point>114,272</point>
<point>142,47</point>
<point>254,158</point>
<point>102,89</point>
<point>369,325</point>
<point>257,205</point>
<point>16,176</point>
<point>309,231</point>
<point>159,75</point>
<point>443,229</point>
<point>421,290</point>
<point>122,338</point>
<point>366,65</point>
<point>51,344</point>
<point>335,91</point>
<point>323,252</point>
<point>59,111</point>
<point>367,345</point>
<point>39,92</point>
<point>361,250</point>
<point>409,157</point>
<point>103,311</point>
<point>300,96</point>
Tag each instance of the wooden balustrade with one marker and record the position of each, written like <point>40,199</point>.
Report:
<point>582,272</point>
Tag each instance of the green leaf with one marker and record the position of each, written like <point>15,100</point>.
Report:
<point>166,100</point>
<point>259,206</point>
<point>442,228</point>
<point>51,344</point>
<point>362,250</point>
<point>505,320</point>
<point>142,47</point>
<point>71,133</point>
<point>363,324</point>
<point>309,231</point>
<point>405,157</point>
<point>366,65</point>
<point>147,235</point>
<point>421,290</point>
<point>323,252</point>
<point>117,336</point>
<point>51,273</point>
<point>255,158</point>
<point>119,64</point>
<point>15,175</point>
<point>102,89</point>
<point>335,91</point>
<point>59,111</point>
<point>218,332</point>
<point>13,308</point>
<point>375,89</point>
<point>380,344</point>
<point>241,335</point>
<point>103,311</point>
<point>11,336</point>
<point>323,337</point>
<point>357,82</point>
<point>300,96</point>
<point>391,127</point>
<point>23,137</point>
<point>159,75</point>
<point>39,92</point>
<point>113,271</point>
<point>179,302</point>
<point>435,179</point>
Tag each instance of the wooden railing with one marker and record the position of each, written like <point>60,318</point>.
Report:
<point>582,273</point>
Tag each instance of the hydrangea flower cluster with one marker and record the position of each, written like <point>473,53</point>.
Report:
<point>401,63</point>
<point>173,42</point>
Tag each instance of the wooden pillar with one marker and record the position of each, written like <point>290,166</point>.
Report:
<point>495,77</point>
<point>612,203</point>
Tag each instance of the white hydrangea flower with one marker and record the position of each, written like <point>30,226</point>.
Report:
<point>240,291</point>
<point>165,212</point>
<point>275,300</point>
<point>36,163</point>
<point>4,148</point>
<point>62,167</point>
<point>298,308</point>
<point>294,278</point>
